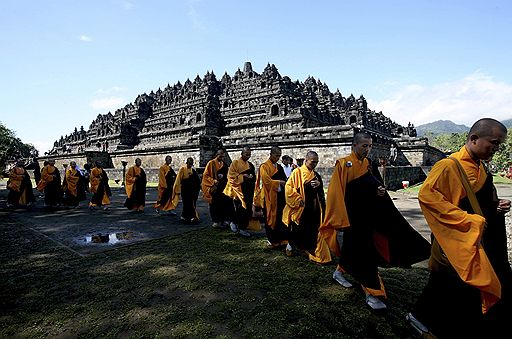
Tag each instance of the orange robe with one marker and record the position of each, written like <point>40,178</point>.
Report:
<point>336,216</point>
<point>295,194</point>
<point>209,175</point>
<point>457,231</point>
<point>163,189</point>
<point>71,182</point>
<point>265,193</point>
<point>46,177</point>
<point>20,186</point>
<point>235,179</point>
<point>183,174</point>
<point>96,179</point>
<point>131,177</point>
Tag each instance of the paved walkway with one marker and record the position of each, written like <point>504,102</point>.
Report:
<point>74,228</point>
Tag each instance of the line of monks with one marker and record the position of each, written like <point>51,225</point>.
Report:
<point>357,223</point>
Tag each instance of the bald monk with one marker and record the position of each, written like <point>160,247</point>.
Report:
<point>269,195</point>
<point>240,188</point>
<point>215,179</point>
<point>470,284</point>
<point>136,187</point>
<point>166,179</point>
<point>364,228</point>
<point>99,188</point>
<point>50,184</point>
<point>304,210</point>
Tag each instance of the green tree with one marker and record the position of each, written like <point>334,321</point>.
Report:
<point>450,142</point>
<point>11,147</point>
<point>503,157</point>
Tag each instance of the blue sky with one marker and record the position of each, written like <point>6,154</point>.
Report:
<point>64,62</point>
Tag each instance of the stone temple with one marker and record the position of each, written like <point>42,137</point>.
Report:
<point>197,117</point>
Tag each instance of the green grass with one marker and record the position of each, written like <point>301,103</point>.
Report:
<point>497,179</point>
<point>201,284</point>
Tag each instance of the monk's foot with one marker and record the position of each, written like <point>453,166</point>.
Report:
<point>340,279</point>
<point>375,303</point>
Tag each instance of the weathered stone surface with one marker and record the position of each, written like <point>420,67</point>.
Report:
<point>197,117</point>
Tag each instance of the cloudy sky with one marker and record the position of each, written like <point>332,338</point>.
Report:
<point>64,62</point>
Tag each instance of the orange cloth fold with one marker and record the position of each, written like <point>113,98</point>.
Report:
<point>16,176</point>
<point>336,217</point>
<point>235,179</point>
<point>131,177</point>
<point>457,231</point>
<point>294,194</point>
<point>209,177</point>
<point>265,192</point>
<point>183,173</point>
<point>162,187</point>
<point>71,182</point>
<point>46,177</point>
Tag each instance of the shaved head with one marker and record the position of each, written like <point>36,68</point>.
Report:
<point>360,136</point>
<point>485,127</point>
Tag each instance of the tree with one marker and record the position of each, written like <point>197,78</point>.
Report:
<point>502,158</point>
<point>11,147</point>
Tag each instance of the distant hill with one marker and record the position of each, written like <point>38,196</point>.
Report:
<point>441,127</point>
<point>448,127</point>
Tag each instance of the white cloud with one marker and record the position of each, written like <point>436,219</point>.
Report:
<point>85,38</point>
<point>462,101</point>
<point>107,104</point>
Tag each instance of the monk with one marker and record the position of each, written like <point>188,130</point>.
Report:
<point>364,228</point>
<point>215,178</point>
<point>269,195</point>
<point>73,186</point>
<point>50,184</point>
<point>19,186</point>
<point>187,185</point>
<point>304,211</point>
<point>99,187</point>
<point>166,179</point>
<point>240,188</point>
<point>136,187</point>
<point>469,291</point>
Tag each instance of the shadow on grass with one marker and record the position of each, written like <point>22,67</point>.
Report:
<point>205,283</point>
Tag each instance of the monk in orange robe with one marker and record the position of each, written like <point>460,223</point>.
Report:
<point>73,186</point>
<point>166,179</point>
<point>215,178</point>
<point>99,188</point>
<point>50,184</point>
<point>469,291</point>
<point>270,197</point>
<point>364,228</point>
<point>19,186</point>
<point>187,185</point>
<point>240,188</point>
<point>136,187</point>
<point>304,210</point>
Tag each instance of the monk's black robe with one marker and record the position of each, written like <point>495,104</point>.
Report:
<point>138,197</point>
<point>190,188</point>
<point>242,215</point>
<point>378,234</point>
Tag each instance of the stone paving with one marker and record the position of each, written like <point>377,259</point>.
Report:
<point>73,228</point>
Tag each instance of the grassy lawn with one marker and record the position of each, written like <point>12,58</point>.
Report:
<point>205,283</point>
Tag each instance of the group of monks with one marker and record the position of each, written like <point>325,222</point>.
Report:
<point>470,283</point>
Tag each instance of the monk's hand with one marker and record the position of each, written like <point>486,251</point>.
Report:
<point>381,190</point>
<point>504,206</point>
<point>315,183</point>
